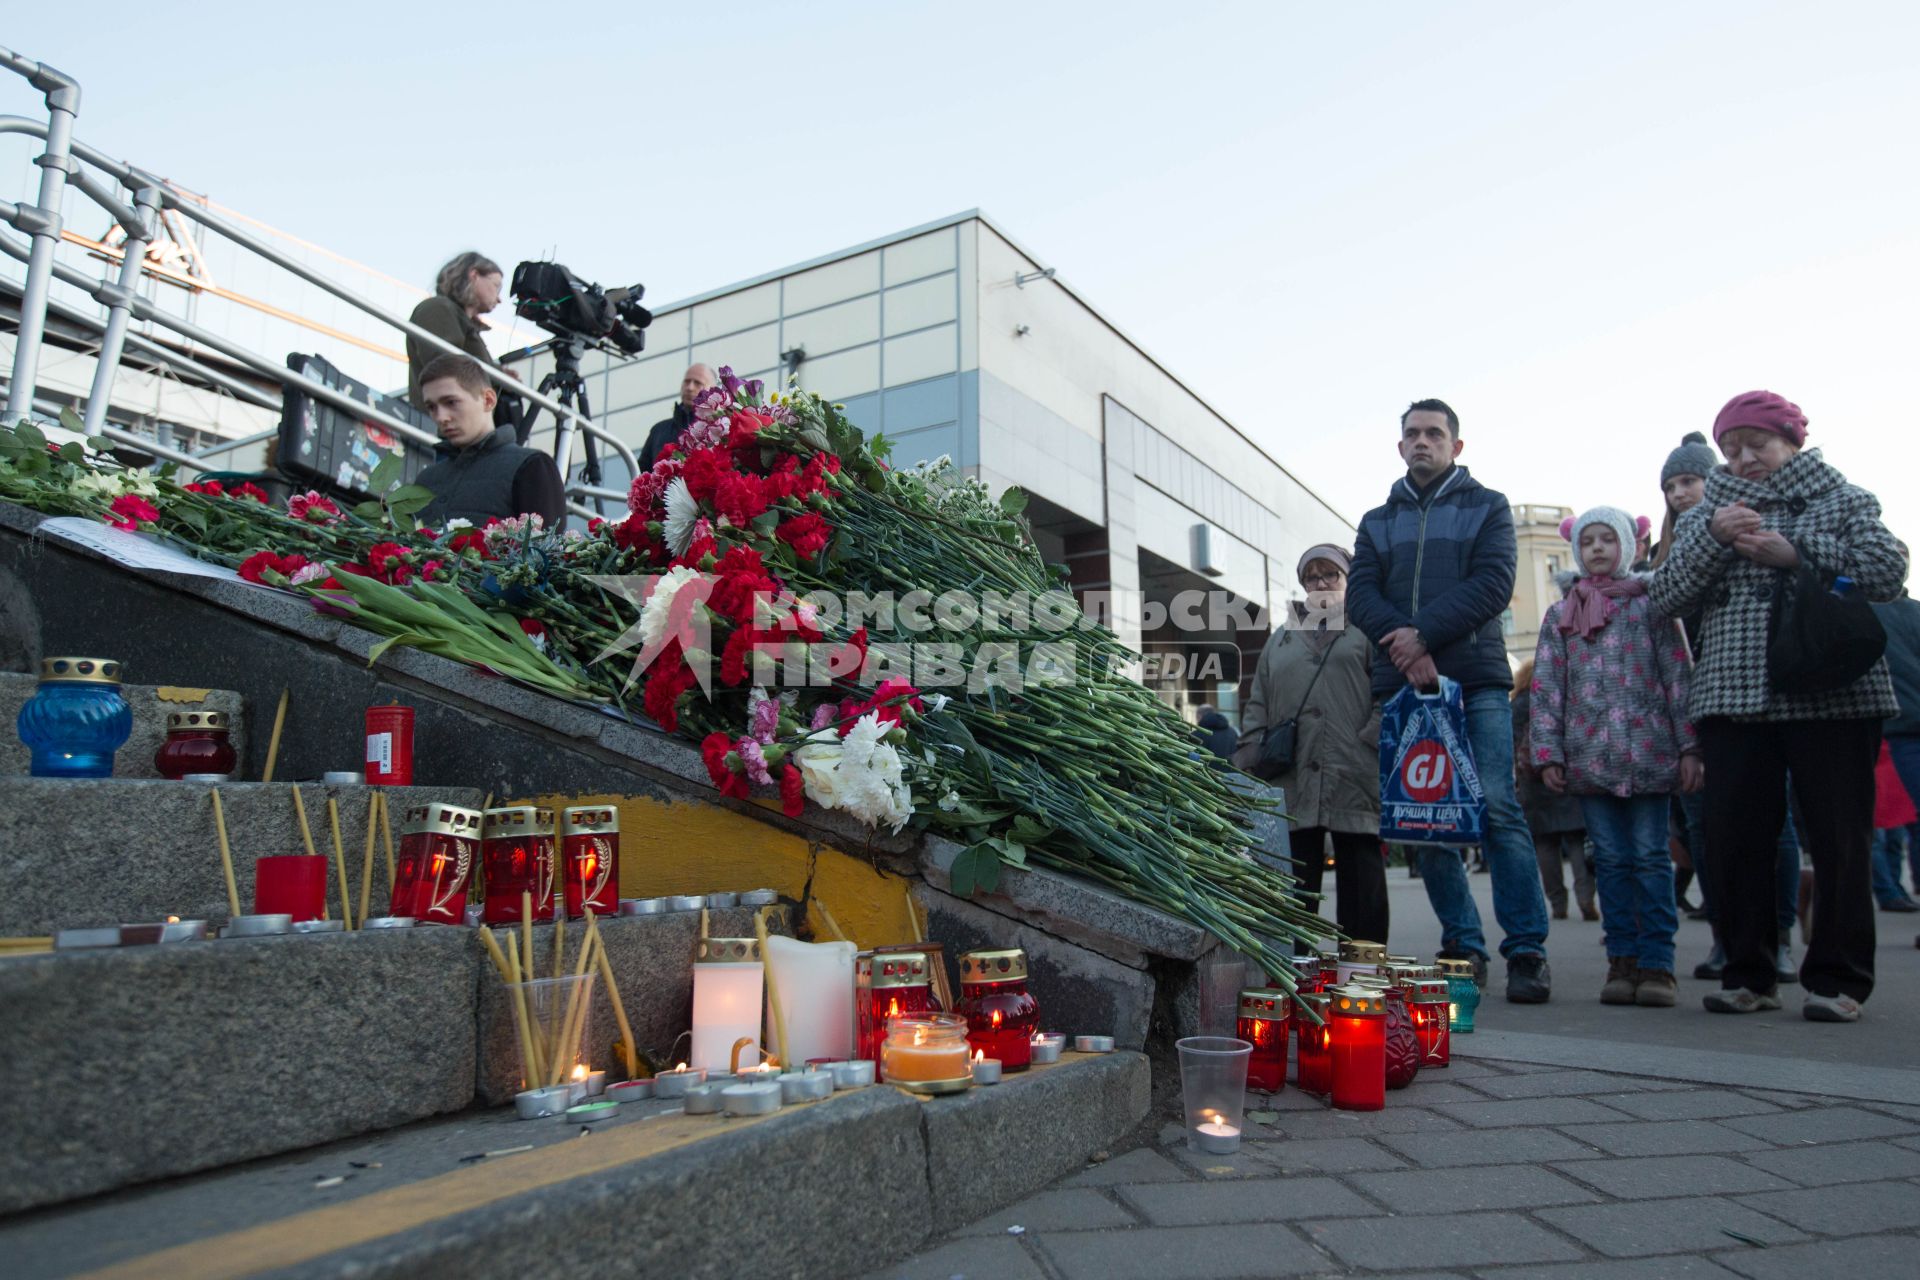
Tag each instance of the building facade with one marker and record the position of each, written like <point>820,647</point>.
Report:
<point>951,339</point>
<point>1543,553</point>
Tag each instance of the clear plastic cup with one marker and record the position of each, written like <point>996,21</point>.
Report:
<point>1213,1084</point>
<point>551,1018</point>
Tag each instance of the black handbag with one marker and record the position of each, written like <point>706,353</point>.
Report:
<point>1819,639</point>
<point>1276,745</point>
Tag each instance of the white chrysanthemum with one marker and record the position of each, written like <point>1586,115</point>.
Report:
<point>682,513</point>
<point>659,607</point>
<point>858,774</point>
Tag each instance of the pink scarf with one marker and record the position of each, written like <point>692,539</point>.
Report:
<point>1590,603</point>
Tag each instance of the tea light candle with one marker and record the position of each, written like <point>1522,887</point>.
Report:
<point>389,922</point>
<point>1094,1044</point>
<point>536,1104</point>
<point>183,931</point>
<point>258,926</point>
<point>1047,1047</point>
<point>805,1086</point>
<point>1216,1137</point>
<point>589,1112</point>
<point>319,926</point>
<point>704,1099</point>
<point>686,902</point>
<point>851,1075</point>
<point>577,1083</point>
<point>675,1083</point>
<point>642,906</point>
<point>985,1070</point>
<point>759,898</point>
<point>721,901</point>
<point>630,1091</point>
<point>751,1099</point>
<point>596,1083</point>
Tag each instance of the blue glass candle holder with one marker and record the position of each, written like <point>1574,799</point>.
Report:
<point>76,720</point>
<point>1463,994</point>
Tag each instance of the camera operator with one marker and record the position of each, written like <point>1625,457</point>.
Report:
<point>696,379</point>
<point>467,288</point>
<point>480,473</point>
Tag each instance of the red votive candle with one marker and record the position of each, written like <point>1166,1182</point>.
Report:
<point>590,858</point>
<point>1266,1013</point>
<point>1357,1021</point>
<point>1432,1021</point>
<point>292,884</point>
<point>516,846</point>
<point>1001,1013</point>
<point>1403,1042</point>
<point>390,746</point>
<point>438,846</point>
<point>1313,1051</point>
<point>887,985</point>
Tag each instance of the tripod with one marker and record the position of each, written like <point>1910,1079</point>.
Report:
<point>566,385</point>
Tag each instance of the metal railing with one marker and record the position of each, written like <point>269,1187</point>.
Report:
<point>69,162</point>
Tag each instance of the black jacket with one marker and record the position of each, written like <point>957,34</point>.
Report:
<point>492,477</point>
<point>1442,563</point>
<point>664,433</point>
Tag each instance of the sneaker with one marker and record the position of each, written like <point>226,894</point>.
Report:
<point>1820,1008</point>
<point>1783,966</point>
<point>1619,985</point>
<point>1902,903</point>
<point>1655,989</point>
<point>1589,912</point>
<point>1529,981</point>
<point>1713,966</point>
<point>1739,1000</point>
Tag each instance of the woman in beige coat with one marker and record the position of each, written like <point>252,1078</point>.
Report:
<point>1316,672</point>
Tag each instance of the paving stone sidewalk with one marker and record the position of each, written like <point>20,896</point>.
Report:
<point>1487,1170</point>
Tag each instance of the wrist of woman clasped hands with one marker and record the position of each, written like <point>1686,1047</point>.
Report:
<point>1737,525</point>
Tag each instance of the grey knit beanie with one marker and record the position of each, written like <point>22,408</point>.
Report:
<point>1614,518</point>
<point>1694,457</point>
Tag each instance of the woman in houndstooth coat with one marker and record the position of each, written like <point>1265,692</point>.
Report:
<point>1770,508</point>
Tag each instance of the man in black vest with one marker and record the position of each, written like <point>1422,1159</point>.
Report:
<point>480,473</point>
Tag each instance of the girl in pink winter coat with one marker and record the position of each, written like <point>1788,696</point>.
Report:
<point>1609,724</point>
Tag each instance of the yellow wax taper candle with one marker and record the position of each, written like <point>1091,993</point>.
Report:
<point>340,862</point>
<point>226,853</point>
<point>273,743</point>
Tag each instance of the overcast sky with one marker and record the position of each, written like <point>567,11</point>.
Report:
<point>1585,225</point>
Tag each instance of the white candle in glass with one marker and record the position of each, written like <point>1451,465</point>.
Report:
<point>1216,1137</point>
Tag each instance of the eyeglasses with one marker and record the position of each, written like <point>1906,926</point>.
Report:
<point>1332,578</point>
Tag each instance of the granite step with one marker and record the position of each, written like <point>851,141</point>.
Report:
<point>87,852</point>
<point>150,704</point>
<point>136,1063</point>
<point>831,1188</point>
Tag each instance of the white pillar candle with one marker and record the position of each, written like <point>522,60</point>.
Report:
<point>815,982</point>
<point>726,1008</point>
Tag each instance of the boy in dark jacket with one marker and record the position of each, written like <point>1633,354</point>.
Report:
<point>1432,574</point>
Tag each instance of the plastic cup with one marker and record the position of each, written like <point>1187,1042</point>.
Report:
<point>555,1038</point>
<point>1213,1085</point>
<point>292,884</point>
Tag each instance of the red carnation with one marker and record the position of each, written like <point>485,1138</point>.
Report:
<point>807,534</point>
<point>314,508</point>
<point>133,511</point>
<point>744,427</point>
<point>469,540</point>
<point>212,488</point>
<point>741,498</point>
<point>793,791</point>
<point>252,491</point>
<point>669,678</point>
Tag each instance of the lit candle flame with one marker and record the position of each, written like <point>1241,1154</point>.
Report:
<point>919,1035</point>
<point>580,1071</point>
<point>173,919</point>
<point>893,1008</point>
<point>996,1019</point>
<point>979,1055</point>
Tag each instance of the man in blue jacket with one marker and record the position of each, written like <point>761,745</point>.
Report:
<point>1432,574</point>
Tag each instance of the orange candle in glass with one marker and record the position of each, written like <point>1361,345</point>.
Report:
<point>928,1048</point>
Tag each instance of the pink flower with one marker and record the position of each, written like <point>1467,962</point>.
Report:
<point>756,761</point>
<point>314,508</point>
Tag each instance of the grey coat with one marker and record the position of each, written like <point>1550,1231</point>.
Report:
<point>1835,526</point>
<point>1335,781</point>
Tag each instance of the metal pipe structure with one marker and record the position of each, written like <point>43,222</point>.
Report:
<point>62,93</point>
<point>119,302</point>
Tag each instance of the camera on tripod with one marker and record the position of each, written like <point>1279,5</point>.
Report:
<point>568,307</point>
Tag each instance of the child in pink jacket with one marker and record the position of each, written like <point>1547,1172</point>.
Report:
<point>1609,724</point>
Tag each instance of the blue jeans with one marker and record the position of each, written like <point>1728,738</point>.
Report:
<point>1635,876</point>
<point>1889,857</point>
<point>1786,869</point>
<point>1519,903</point>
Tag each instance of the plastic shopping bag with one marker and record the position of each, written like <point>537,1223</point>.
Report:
<point>1430,793</point>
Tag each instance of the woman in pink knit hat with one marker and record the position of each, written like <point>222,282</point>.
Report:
<point>1774,508</point>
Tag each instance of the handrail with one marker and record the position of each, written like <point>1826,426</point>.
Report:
<point>151,194</point>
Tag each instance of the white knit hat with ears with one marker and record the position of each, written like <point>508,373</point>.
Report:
<point>1614,518</point>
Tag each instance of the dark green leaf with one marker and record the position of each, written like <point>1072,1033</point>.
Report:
<point>33,438</point>
<point>961,874</point>
<point>371,511</point>
<point>766,522</point>
<point>986,876</point>
<point>72,421</point>
<point>385,474</point>
<point>71,452</point>
<point>1013,501</point>
<point>408,499</point>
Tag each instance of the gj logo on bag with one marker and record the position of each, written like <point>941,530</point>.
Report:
<point>1430,792</point>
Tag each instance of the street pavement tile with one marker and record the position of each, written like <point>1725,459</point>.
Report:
<point>1508,1186</point>
<point>1491,1146</point>
<point>1688,1104</point>
<point>1466,1068</point>
<point>1528,1111</point>
<point>1426,1093</point>
<point>1070,1209</point>
<point>983,1259</point>
<point>1894,1109</point>
<point>1647,1227</point>
<point>1252,1160</point>
<point>1912,1144</point>
<point>1190,1204</point>
<point>1138,1165</point>
<point>1557,1084</point>
<point>1667,1268</point>
<point>1331,1155</point>
<point>1288,1099</point>
<point>1461,1240</point>
<point>1171,1132</point>
<point>1791,1101</point>
<point>1664,1138</point>
<point>1845,1210</point>
<point>1654,1177</point>
<point>1826,1124</point>
<point>1868,1257</point>
<point>1251,1252</point>
<point>1360,1124</point>
<point>1821,1166</point>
